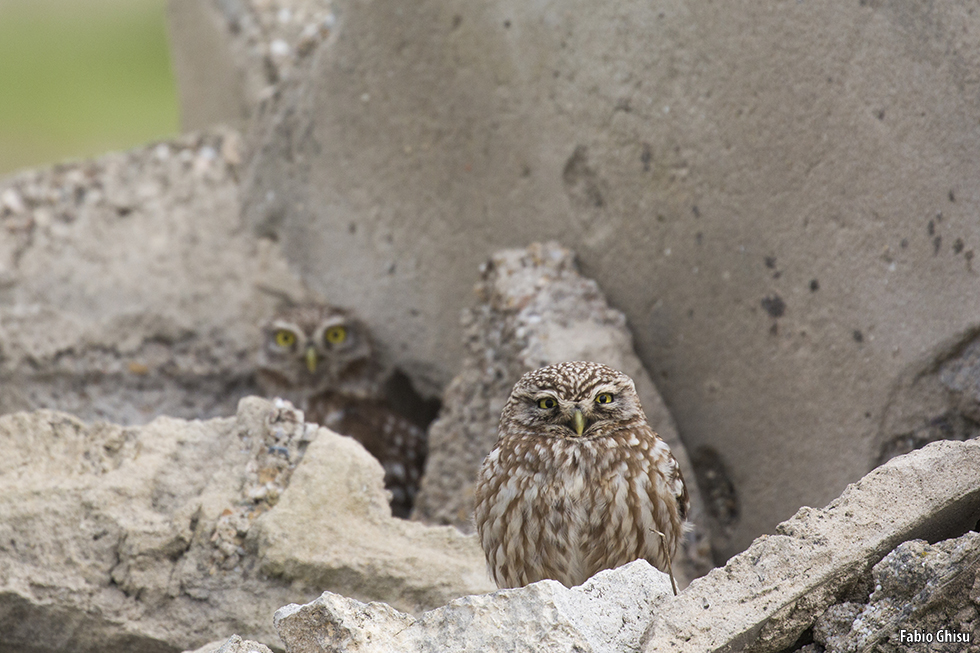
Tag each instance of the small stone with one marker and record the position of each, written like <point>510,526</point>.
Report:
<point>279,48</point>
<point>231,149</point>
<point>12,201</point>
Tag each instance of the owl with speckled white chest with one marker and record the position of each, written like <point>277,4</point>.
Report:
<point>577,482</point>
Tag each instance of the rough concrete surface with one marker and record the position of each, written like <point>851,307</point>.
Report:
<point>607,613</point>
<point>229,55</point>
<point>128,288</point>
<point>779,196</point>
<point>813,576</point>
<point>535,309</point>
<point>765,598</point>
<point>922,595</point>
<point>233,644</point>
<point>162,537</point>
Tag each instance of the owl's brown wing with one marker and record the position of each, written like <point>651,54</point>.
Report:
<point>675,480</point>
<point>398,443</point>
<point>667,466</point>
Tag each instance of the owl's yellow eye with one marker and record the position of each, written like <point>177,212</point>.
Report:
<point>335,335</point>
<point>547,403</point>
<point>604,398</point>
<point>285,338</point>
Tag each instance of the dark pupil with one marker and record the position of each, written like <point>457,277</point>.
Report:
<point>549,403</point>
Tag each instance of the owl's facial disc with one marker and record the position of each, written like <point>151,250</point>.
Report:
<point>564,414</point>
<point>584,414</point>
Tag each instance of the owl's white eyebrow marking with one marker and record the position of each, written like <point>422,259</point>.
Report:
<point>283,324</point>
<point>543,394</point>
<point>337,320</point>
<point>610,388</point>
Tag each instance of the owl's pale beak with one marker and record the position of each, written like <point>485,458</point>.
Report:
<point>311,359</point>
<point>578,421</point>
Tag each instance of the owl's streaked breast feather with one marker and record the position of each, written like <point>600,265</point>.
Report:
<point>567,507</point>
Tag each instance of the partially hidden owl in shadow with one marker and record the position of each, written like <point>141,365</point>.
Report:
<point>321,359</point>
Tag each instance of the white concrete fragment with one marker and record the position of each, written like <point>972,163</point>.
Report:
<point>610,612</point>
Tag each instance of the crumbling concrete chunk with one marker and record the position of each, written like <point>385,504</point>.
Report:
<point>920,598</point>
<point>158,537</point>
<point>608,613</point>
<point>767,596</point>
<point>233,644</point>
<point>129,289</point>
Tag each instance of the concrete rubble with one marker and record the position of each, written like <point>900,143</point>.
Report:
<point>128,288</point>
<point>165,536</point>
<point>789,240</point>
<point>922,594</point>
<point>793,585</point>
<point>607,613</point>
<point>233,644</point>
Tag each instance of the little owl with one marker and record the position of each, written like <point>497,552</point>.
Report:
<point>321,359</point>
<point>577,482</point>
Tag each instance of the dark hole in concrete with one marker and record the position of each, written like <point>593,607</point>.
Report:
<point>774,305</point>
<point>941,403</point>
<point>405,400</point>
<point>720,497</point>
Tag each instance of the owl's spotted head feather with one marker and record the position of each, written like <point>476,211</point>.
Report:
<point>575,399</point>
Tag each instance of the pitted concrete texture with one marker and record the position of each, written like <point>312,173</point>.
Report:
<point>607,613</point>
<point>781,197</point>
<point>165,536</point>
<point>233,644</point>
<point>128,288</point>
<point>922,596</point>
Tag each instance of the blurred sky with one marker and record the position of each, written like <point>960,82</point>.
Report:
<point>82,77</point>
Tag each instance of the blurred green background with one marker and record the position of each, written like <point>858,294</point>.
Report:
<point>82,77</point>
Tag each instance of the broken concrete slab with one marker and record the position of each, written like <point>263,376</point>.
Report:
<point>162,536</point>
<point>128,288</point>
<point>333,528</point>
<point>607,613</point>
<point>765,597</point>
<point>922,595</point>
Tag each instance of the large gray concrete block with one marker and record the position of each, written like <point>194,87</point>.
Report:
<point>780,196</point>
